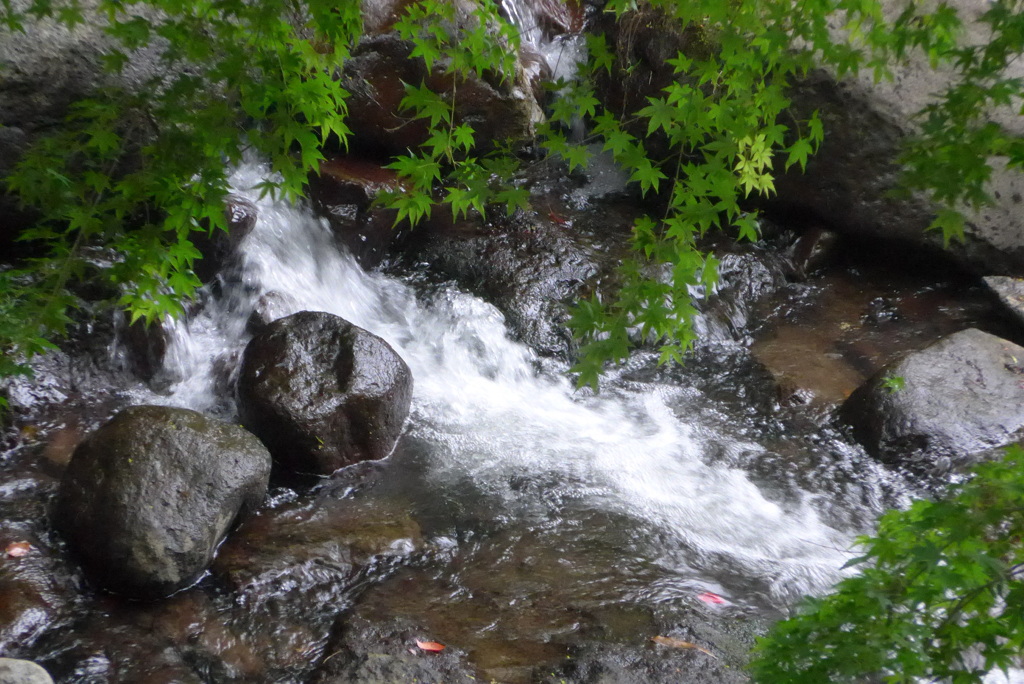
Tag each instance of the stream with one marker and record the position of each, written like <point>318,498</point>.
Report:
<point>541,532</point>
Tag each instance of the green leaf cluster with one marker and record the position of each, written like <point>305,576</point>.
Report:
<point>448,168</point>
<point>133,174</point>
<point>726,120</point>
<point>122,185</point>
<point>721,118</point>
<point>938,597</point>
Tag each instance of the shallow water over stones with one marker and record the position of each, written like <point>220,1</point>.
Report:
<point>539,533</point>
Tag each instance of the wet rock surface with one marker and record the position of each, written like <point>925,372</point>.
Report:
<point>314,541</point>
<point>269,307</point>
<point>148,497</point>
<point>144,346</point>
<point>344,192</point>
<point>216,245</point>
<point>322,393</point>
<point>530,270</point>
<point>38,586</point>
<point>939,407</point>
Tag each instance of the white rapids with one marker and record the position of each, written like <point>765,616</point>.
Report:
<point>489,414</point>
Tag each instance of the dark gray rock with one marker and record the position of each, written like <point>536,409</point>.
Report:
<point>1010,292</point>
<point>149,496</point>
<point>322,393</point>
<point>13,671</point>
<point>959,397</point>
<point>530,271</point>
<point>144,345</point>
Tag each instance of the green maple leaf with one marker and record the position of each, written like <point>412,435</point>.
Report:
<point>799,151</point>
<point>660,114</point>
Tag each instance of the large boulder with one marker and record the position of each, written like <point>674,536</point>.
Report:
<point>943,405</point>
<point>149,496</point>
<point>323,393</point>
<point>850,182</point>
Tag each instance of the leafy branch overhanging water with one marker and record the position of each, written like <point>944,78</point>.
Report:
<point>134,173</point>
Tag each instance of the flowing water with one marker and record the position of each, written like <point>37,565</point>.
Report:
<point>518,520</point>
<point>490,417</point>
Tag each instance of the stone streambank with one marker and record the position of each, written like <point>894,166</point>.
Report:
<point>943,406</point>
<point>323,393</point>
<point>148,497</point>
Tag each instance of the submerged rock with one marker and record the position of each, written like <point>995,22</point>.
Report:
<point>943,405</point>
<point>302,548</point>
<point>149,496</point>
<point>323,393</point>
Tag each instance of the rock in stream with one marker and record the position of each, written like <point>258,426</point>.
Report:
<point>149,496</point>
<point>943,405</point>
<point>323,393</point>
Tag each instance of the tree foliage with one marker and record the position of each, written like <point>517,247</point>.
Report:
<point>938,595</point>
<point>727,118</point>
<point>132,174</point>
<point>262,75</point>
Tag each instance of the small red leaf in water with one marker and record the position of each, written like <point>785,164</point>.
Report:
<point>430,646</point>
<point>708,597</point>
<point>18,549</point>
<point>557,218</point>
